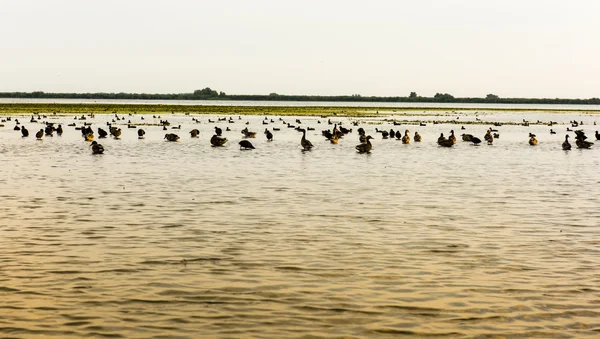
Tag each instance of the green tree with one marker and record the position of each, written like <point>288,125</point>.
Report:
<point>413,95</point>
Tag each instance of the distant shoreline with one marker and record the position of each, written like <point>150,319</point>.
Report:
<point>162,109</point>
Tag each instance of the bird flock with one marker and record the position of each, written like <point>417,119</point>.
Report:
<point>333,135</point>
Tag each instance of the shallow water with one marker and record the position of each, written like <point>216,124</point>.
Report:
<point>410,240</point>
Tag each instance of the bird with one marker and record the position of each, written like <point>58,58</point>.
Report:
<point>248,134</point>
<point>366,147</point>
<point>102,133</point>
<point>24,131</point>
<point>218,131</point>
<point>245,144</point>
<point>418,137</point>
<point>445,142</point>
<point>141,133</point>
<point>597,135</point>
<point>488,137</point>
<point>467,137</point>
<point>194,133</point>
<point>398,135</point>
<point>306,144</point>
<point>452,137</point>
<point>566,145</point>
<point>580,140</point>
<point>115,132</point>
<point>475,140</point>
<point>269,135</point>
<point>532,140</point>
<point>40,134</point>
<point>405,138</point>
<point>171,137</point>
<point>218,140</point>
<point>552,131</point>
<point>96,148</point>
<point>59,130</point>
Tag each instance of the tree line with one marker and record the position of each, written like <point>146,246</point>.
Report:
<point>210,94</point>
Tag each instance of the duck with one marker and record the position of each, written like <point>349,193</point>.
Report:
<point>269,135</point>
<point>171,137</point>
<point>566,145</point>
<point>452,137</point>
<point>532,140</point>
<point>141,133</point>
<point>59,130</point>
<point>467,137</point>
<point>441,139</point>
<point>398,135</point>
<point>96,148</point>
<point>488,137</point>
<point>476,141</point>
<point>194,133</point>
<point>49,130</point>
<point>366,147</point>
<point>580,140</point>
<point>218,131</point>
<point>406,138</point>
<point>597,135</point>
<point>40,134</point>
<point>306,144</point>
<point>115,132</point>
<point>418,137</point>
<point>24,132</point>
<point>245,144</point>
<point>102,133</point>
<point>218,140</point>
<point>552,131</point>
<point>17,128</point>
<point>248,134</point>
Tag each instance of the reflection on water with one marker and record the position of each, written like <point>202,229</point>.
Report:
<point>155,239</point>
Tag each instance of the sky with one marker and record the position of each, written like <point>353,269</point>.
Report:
<point>467,48</point>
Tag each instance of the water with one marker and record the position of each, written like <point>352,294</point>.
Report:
<point>155,239</point>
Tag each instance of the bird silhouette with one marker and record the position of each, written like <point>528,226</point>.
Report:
<point>245,144</point>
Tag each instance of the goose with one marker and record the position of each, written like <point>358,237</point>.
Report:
<point>141,133</point>
<point>24,131</point>
<point>96,148</point>
<point>245,144</point>
<point>366,147</point>
<point>248,134</point>
<point>405,138</point>
<point>532,140</point>
<point>194,133</point>
<point>306,144</point>
<point>40,134</point>
<point>171,137</point>
<point>566,145</point>
<point>269,135</point>
<point>218,140</point>
<point>418,137</point>
<point>102,133</point>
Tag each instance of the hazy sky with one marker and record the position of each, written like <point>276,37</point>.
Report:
<point>512,48</point>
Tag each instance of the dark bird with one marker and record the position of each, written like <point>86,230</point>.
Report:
<point>24,131</point>
<point>366,147</point>
<point>467,137</point>
<point>218,140</point>
<point>566,145</point>
<point>194,133</point>
<point>102,133</point>
<point>475,140</point>
<point>552,131</point>
<point>269,135</point>
<point>445,142</point>
<point>418,137</point>
<point>171,137</point>
<point>39,134</point>
<point>306,144</point>
<point>405,138</point>
<point>115,132</point>
<point>245,144</point>
<point>17,128</point>
<point>59,130</point>
<point>398,135</point>
<point>248,134</point>
<point>580,140</point>
<point>49,130</point>
<point>141,133</point>
<point>597,135</point>
<point>96,148</point>
<point>218,131</point>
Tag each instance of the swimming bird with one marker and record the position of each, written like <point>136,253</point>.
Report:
<point>40,134</point>
<point>24,132</point>
<point>398,135</point>
<point>475,140</point>
<point>552,131</point>
<point>306,144</point>
<point>218,140</point>
<point>141,133</point>
<point>96,148</point>
<point>49,130</point>
<point>115,132</point>
<point>269,135</point>
<point>532,140</point>
<point>171,137</point>
<point>566,145</point>
<point>218,131</point>
<point>405,138</point>
<point>488,137</point>
<point>17,128</point>
<point>248,134</point>
<point>245,144</point>
<point>467,137</point>
<point>59,130</point>
<point>102,133</point>
<point>452,137</point>
<point>580,140</point>
<point>418,137</point>
<point>441,139</point>
<point>194,133</point>
<point>366,147</point>
<point>445,142</point>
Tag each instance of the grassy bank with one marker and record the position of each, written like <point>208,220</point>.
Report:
<point>77,109</point>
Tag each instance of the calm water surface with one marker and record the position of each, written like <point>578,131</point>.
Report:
<point>410,240</point>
